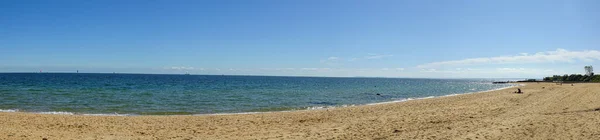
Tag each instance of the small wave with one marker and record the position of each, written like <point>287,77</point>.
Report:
<point>402,100</point>
<point>9,110</point>
<point>325,107</point>
<point>114,114</point>
<point>66,113</point>
<point>292,110</point>
<point>318,107</point>
<point>84,114</point>
<point>241,113</point>
<point>56,113</point>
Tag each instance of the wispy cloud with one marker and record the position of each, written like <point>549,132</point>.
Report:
<point>285,69</point>
<point>429,70</point>
<point>397,69</point>
<point>331,59</point>
<point>278,69</point>
<point>370,56</point>
<point>377,56</point>
<point>559,55</point>
<point>316,69</point>
<point>491,71</point>
<point>181,68</point>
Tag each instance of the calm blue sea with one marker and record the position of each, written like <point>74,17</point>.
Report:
<point>146,94</point>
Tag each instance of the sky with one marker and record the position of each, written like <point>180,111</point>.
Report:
<point>333,38</point>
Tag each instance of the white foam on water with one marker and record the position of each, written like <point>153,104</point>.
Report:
<point>66,113</point>
<point>243,113</point>
<point>218,114</point>
<point>113,114</point>
<point>9,110</point>
<point>56,113</point>
<point>401,100</point>
<point>71,113</point>
<point>326,107</point>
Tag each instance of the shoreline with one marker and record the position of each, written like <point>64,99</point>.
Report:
<point>241,113</point>
<point>540,112</point>
<point>449,95</point>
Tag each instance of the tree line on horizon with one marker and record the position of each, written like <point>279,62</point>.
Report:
<point>574,78</point>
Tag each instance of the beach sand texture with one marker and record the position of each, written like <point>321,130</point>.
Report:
<point>552,112</point>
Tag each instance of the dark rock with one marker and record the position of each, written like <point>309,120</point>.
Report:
<point>396,131</point>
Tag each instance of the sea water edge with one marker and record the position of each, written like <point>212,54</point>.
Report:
<point>242,113</point>
<point>285,109</point>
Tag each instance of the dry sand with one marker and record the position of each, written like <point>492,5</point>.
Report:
<point>553,112</point>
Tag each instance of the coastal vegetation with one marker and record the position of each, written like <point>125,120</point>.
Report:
<point>574,78</point>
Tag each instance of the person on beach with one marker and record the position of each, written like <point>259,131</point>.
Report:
<point>518,90</point>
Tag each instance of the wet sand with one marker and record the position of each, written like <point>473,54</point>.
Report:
<point>544,111</point>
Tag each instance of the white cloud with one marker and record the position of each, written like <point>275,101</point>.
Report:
<point>278,69</point>
<point>331,59</point>
<point>377,56</point>
<point>310,68</point>
<point>335,59</point>
<point>428,70</point>
<point>492,71</point>
<point>509,69</point>
<point>388,69</point>
<point>560,55</point>
<point>285,69</point>
<point>318,69</point>
<point>180,68</point>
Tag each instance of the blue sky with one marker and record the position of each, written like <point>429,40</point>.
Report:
<point>395,38</point>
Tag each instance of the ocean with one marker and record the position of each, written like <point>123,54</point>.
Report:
<point>152,94</point>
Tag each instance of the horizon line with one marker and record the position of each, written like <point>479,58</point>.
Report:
<point>253,75</point>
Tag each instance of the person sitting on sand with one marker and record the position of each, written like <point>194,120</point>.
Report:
<point>518,90</point>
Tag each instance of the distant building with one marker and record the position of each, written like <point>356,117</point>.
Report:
<point>589,70</point>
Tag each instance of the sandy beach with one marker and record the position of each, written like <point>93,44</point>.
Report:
<point>544,111</point>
